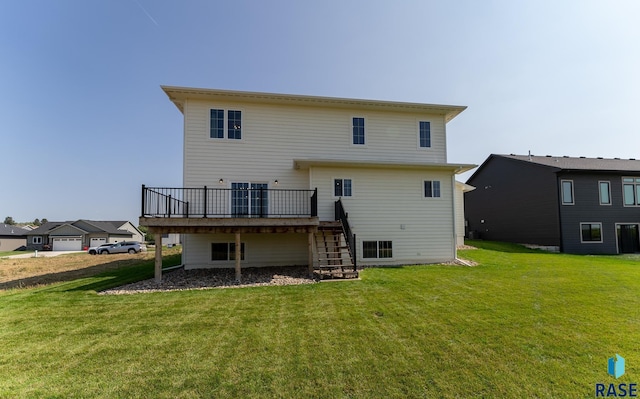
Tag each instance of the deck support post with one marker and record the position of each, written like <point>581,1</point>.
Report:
<point>311,253</point>
<point>238,258</point>
<point>158,264</point>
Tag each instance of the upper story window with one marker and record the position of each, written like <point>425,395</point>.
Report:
<point>234,124</point>
<point>631,191</point>
<point>432,189</point>
<point>567,192</point>
<point>605,192</point>
<point>424,134</point>
<point>342,188</point>
<point>358,130</point>
<point>216,127</point>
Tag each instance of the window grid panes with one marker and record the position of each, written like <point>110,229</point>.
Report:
<point>425,134</point>
<point>605,193</point>
<point>591,232</point>
<point>358,131</point>
<point>217,124</point>
<point>385,249</point>
<point>369,249</point>
<point>377,249</point>
<point>234,124</point>
<point>567,192</point>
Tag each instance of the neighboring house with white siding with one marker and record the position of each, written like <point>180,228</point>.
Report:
<point>300,180</point>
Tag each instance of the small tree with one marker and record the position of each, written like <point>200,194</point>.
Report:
<point>9,220</point>
<point>44,220</point>
<point>36,222</point>
<point>147,236</point>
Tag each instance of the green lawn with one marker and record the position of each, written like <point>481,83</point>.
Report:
<point>522,324</point>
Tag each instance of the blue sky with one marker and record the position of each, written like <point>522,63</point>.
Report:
<point>84,123</point>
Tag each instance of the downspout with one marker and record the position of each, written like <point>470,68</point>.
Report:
<point>453,213</point>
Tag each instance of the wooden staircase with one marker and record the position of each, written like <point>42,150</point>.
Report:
<point>334,258</point>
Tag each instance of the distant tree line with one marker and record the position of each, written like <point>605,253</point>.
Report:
<point>37,222</point>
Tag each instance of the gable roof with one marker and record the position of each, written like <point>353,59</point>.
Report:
<point>178,95</point>
<point>88,226</point>
<point>565,163</point>
<point>10,230</point>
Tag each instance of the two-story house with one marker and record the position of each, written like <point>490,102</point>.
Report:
<point>279,180</point>
<point>575,204</point>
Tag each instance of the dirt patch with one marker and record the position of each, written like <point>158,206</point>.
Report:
<point>30,272</point>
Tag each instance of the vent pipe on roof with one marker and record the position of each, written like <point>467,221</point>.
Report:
<point>529,155</point>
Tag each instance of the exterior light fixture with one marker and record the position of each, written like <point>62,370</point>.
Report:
<point>276,182</point>
<point>220,181</point>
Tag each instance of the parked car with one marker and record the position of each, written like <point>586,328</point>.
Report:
<point>98,249</point>
<point>131,247</point>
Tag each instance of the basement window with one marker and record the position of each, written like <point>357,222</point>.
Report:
<point>221,251</point>
<point>377,249</point>
<point>591,232</point>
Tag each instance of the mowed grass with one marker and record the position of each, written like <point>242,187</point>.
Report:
<point>520,324</point>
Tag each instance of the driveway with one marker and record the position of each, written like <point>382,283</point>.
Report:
<point>42,254</point>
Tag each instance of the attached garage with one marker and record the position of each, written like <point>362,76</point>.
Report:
<point>67,244</point>
<point>97,242</point>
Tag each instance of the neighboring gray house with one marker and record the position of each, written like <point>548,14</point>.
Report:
<point>12,237</point>
<point>79,234</point>
<point>575,204</point>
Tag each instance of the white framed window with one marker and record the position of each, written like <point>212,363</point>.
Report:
<point>591,232</point>
<point>37,240</point>
<point>217,119</point>
<point>223,251</point>
<point>358,131</point>
<point>377,249</point>
<point>432,189</point>
<point>604,192</point>
<point>342,188</point>
<point>567,192</point>
<point>424,134</point>
<point>631,191</point>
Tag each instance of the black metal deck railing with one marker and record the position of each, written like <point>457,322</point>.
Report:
<point>228,202</point>
<point>343,217</point>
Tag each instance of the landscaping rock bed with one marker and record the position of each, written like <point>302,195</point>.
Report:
<point>199,279</point>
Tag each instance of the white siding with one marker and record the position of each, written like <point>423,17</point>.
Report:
<point>389,205</point>
<point>136,235</point>
<point>277,135</point>
<point>260,250</point>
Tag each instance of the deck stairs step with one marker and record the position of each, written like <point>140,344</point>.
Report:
<point>333,258</point>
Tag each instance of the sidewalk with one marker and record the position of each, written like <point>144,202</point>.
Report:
<point>41,254</point>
